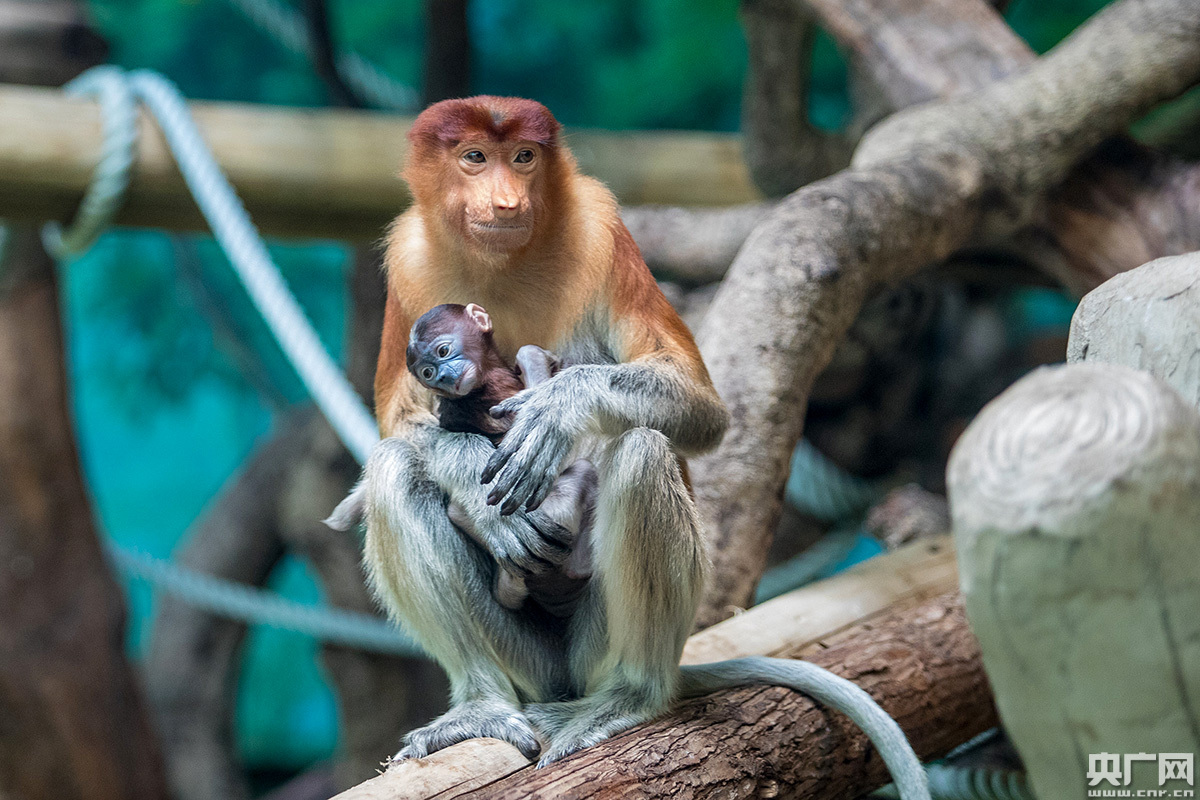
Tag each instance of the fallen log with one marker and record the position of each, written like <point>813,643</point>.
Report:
<point>915,656</point>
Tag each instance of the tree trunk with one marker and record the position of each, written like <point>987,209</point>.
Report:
<point>73,719</point>
<point>447,51</point>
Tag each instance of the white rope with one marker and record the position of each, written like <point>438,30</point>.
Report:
<point>231,226</point>
<point>240,240</point>
<point>287,27</point>
<point>260,607</point>
<point>118,93</point>
<point>118,151</point>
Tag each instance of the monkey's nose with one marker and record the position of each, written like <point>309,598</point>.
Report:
<point>505,206</point>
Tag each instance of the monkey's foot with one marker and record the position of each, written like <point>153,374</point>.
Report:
<point>548,719</point>
<point>472,720</point>
<point>576,724</point>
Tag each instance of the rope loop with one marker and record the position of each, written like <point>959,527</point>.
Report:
<point>106,193</point>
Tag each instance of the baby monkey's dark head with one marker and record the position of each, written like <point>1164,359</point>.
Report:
<point>450,348</point>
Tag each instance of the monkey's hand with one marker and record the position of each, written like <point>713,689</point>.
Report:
<point>529,544</point>
<point>551,418</point>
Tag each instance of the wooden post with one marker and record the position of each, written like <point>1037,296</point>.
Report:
<point>1075,497</point>
<point>1145,318</point>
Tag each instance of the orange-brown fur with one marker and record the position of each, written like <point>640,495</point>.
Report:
<point>580,260</point>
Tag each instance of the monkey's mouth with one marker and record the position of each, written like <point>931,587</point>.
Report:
<point>502,233</point>
<point>466,381</point>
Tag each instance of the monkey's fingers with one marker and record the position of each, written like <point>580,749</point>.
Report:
<point>506,406</point>
<point>518,494</point>
<point>538,497</point>
<point>540,471</point>
<point>515,467</point>
<point>536,476</point>
<point>547,473</point>
<point>504,452</point>
<point>557,535</point>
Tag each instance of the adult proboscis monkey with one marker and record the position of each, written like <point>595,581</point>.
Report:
<point>501,217</point>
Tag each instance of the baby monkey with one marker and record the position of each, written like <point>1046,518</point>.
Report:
<point>451,352</point>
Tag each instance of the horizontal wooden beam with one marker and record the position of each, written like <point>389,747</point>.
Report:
<point>312,172</point>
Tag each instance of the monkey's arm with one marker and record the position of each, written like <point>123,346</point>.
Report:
<point>660,383</point>
<point>536,365</point>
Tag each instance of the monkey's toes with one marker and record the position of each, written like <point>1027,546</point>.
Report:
<point>566,744</point>
<point>549,719</point>
<point>471,722</point>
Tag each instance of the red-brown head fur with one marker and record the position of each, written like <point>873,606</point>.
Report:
<point>487,170</point>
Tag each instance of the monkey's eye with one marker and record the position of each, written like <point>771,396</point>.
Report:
<point>443,350</point>
<point>427,374</point>
<point>524,157</point>
<point>474,157</point>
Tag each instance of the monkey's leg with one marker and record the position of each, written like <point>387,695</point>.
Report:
<point>437,584</point>
<point>649,565</point>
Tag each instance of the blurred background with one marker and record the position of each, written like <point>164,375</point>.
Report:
<point>174,382</point>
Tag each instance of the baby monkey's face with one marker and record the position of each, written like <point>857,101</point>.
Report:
<point>448,348</point>
<point>444,366</point>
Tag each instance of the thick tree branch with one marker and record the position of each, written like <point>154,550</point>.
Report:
<point>904,52</point>
<point>1124,206</point>
<point>924,183</point>
<point>921,663</point>
<point>691,246</point>
<point>784,150</point>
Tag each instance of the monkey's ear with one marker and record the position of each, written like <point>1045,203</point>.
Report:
<point>480,317</point>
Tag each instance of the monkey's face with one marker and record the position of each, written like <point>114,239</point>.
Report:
<point>443,366</point>
<point>448,346</point>
<point>491,192</point>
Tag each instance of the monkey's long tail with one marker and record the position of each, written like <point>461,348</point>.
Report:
<point>832,690</point>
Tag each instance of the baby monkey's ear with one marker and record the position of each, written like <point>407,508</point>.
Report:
<point>481,318</point>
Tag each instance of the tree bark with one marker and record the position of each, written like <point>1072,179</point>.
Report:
<point>784,149</point>
<point>923,184</point>
<point>691,246</point>
<point>1124,206</point>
